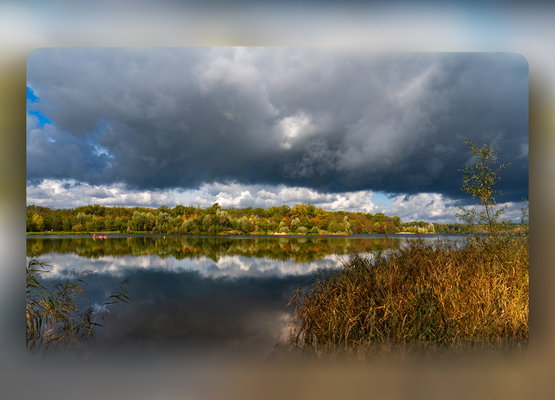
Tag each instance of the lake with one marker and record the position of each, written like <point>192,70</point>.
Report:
<point>196,293</point>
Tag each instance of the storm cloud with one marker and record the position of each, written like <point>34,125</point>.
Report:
<point>331,122</point>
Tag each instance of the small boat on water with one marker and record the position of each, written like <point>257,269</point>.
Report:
<point>94,237</point>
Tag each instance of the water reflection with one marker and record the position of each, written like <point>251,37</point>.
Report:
<point>228,266</point>
<point>304,249</point>
<point>191,293</point>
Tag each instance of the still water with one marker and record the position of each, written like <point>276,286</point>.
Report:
<point>210,294</point>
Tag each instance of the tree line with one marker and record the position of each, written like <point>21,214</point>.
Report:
<point>301,219</point>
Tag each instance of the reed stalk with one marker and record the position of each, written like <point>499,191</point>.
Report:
<point>60,318</point>
<point>422,296</point>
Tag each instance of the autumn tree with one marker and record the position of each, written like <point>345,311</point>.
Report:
<point>479,180</point>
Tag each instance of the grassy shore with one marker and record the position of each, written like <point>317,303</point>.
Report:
<point>423,297</point>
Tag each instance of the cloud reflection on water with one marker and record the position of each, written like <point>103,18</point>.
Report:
<point>236,303</point>
<point>227,266</point>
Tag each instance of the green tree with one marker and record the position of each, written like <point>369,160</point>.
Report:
<point>178,210</point>
<point>81,218</point>
<point>379,217</point>
<point>347,225</point>
<point>38,222</point>
<point>207,222</point>
<point>295,223</point>
<point>56,224</point>
<point>138,221</point>
<point>30,225</point>
<point>479,180</point>
<point>162,221</point>
<point>333,226</point>
<point>397,222</point>
<point>222,217</point>
<point>245,226</point>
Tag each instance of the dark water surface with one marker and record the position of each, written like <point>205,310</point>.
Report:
<point>209,294</point>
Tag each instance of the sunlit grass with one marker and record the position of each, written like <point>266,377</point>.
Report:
<point>429,297</point>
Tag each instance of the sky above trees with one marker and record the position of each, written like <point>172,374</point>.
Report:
<point>263,127</point>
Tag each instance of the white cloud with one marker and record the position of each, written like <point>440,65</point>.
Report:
<point>69,193</point>
<point>292,129</point>
<point>433,207</point>
<point>240,196</point>
<point>424,206</point>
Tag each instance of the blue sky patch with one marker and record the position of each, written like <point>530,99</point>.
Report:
<point>32,98</point>
<point>42,119</point>
<point>31,95</point>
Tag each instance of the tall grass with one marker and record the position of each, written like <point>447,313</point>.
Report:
<point>61,317</point>
<point>423,296</point>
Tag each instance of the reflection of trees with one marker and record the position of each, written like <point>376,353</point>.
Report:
<point>179,247</point>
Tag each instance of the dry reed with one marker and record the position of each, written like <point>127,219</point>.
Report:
<point>423,296</point>
<point>60,317</point>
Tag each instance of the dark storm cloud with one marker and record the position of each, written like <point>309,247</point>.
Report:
<point>177,118</point>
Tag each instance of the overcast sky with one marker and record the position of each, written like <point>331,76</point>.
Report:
<point>267,126</point>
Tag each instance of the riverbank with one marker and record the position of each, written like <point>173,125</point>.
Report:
<point>238,233</point>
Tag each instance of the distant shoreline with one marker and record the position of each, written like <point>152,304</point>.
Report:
<point>250,236</point>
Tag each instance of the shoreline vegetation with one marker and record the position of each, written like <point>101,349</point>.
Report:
<point>440,299</point>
